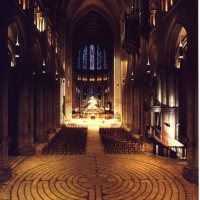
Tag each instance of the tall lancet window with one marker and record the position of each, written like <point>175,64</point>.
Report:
<point>91,91</point>
<point>79,59</point>
<point>85,58</point>
<point>92,57</point>
<point>99,58</point>
<point>105,63</point>
<point>92,54</point>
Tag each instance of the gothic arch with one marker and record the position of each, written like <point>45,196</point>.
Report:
<point>98,10</point>
<point>171,41</point>
<point>153,54</point>
<point>48,62</point>
<point>16,32</point>
<point>37,56</point>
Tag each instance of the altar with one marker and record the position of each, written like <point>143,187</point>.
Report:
<point>92,111</point>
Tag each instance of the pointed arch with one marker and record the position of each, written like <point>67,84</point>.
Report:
<point>16,32</point>
<point>172,40</point>
<point>37,55</point>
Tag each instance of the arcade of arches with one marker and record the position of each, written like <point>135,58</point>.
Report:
<point>133,62</point>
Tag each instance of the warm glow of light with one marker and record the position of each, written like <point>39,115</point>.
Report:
<point>64,86</point>
<point>56,75</point>
<point>178,66</point>
<point>132,76</point>
<point>148,63</point>
<point>171,131</point>
<point>148,66</point>
<point>17,41</point>
<point>12,63</point>
<point>169,126</point>
<point>38,21</point>
<point>180,45</point>
<point>43,21</point>
<point>43,67</point>
<point>166,5</point>
<point>43,63</point>
<point>171,101</point>
<point>101,122</point>
<point>154,20</point>
<point>56,49</point>
<point>153,14</point>
<point>24,5</point>
<point>63,65</point>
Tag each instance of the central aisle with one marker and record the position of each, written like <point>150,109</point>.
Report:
<point>94,145</point>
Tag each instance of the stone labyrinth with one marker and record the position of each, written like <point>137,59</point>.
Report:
<point>94,178</point>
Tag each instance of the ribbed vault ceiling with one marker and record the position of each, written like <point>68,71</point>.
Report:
<point>87,21</point>
<point>92,28</point>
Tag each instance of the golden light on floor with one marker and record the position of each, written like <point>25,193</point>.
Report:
<point>94,122</point>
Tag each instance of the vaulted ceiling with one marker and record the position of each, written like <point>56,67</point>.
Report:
<point>92,22</point>
<point>92,28</point>
<point>88,20</point>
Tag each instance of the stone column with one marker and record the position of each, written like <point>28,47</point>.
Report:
<point>5,170</point>
<point>25,137</point>
<point>69,79</point>
<point>41,134</point>
<point>190,172</point>
<point>117,79</point>
<point>50,105</point>
<point>57,104</point>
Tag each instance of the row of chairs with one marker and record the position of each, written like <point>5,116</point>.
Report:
<point>68,140</point>
<point>120,141</point>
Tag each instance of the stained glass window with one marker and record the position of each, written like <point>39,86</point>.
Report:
<point>84,93</point>
<point>105,64</point>
<point>79,59</point>
<point>91,91</point>
<point>99,58</point>
<point>85,58</point>
<point>92,51</point>
<point>92,57</point>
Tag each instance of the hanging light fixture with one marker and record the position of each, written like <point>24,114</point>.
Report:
<point>180,50</point>
<point>148,67</point>
<point>132,76</point>
<point>17,46</point>
<point>43,67</point>
<point>154,73</point>
<point>56,76</point>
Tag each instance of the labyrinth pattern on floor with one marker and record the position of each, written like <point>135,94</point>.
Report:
<point>95,178</point>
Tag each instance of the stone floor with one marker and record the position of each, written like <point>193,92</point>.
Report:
<point>97,176</point>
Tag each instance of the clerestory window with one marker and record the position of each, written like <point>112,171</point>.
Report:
<point>92,57</point>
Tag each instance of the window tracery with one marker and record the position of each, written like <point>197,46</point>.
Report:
<point>24,4</point>
<point>93,57</point>
<point>39,18</point>
<point>92,52</point>
<point>85,58</point>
